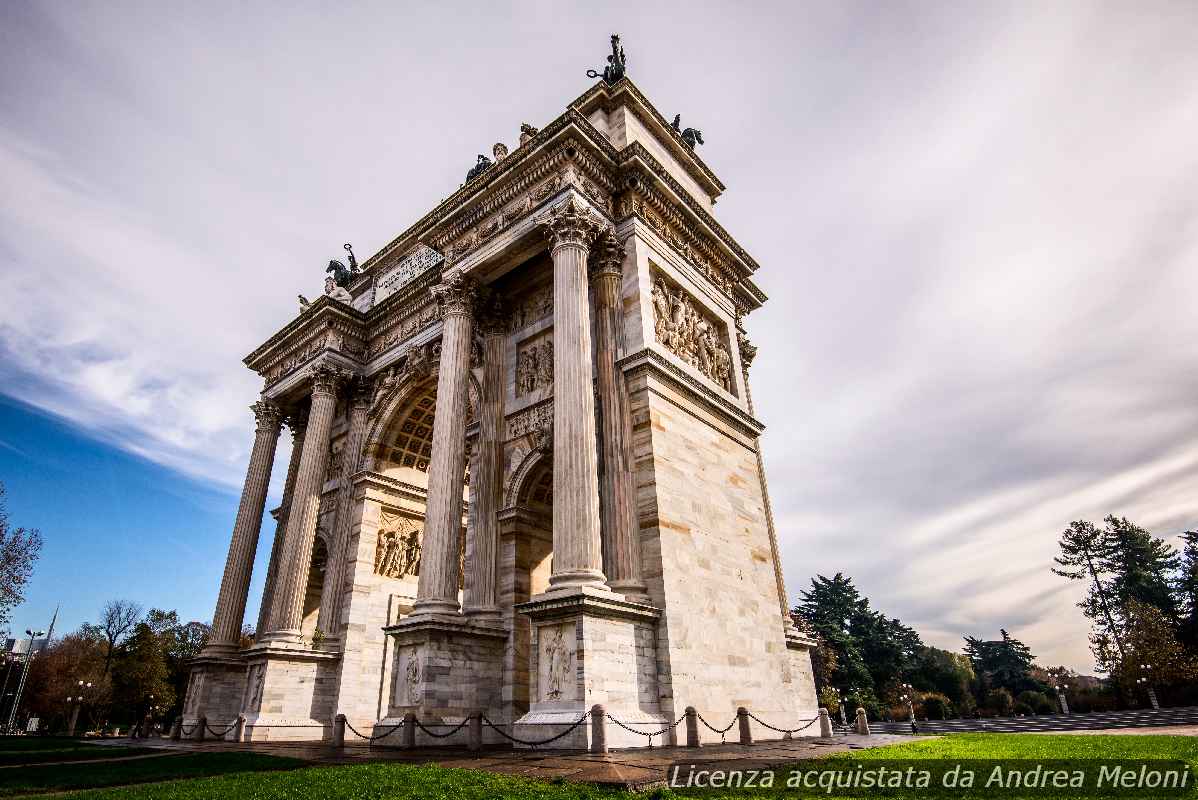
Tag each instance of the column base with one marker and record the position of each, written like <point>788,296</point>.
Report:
<point>447,667</point>
<point>214,689</point>
<point>289,692</point>
<point>591,645</point>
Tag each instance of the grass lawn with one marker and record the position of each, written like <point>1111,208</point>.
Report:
<point>40,750</point>
<point>64,777</point>
<point>386,781</point>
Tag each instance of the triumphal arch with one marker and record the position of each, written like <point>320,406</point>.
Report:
<point>526,474</point>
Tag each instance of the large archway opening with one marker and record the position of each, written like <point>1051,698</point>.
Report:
<point>526,558</point>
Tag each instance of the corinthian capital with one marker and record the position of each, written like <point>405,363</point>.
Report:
<point>268,415</point>
<point>457,294</point>
<point>326,378</point>
<point>572,223</point>
<point>748,351</point>
<point>608,257</point>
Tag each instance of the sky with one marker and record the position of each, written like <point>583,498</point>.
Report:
<point>976,223</point>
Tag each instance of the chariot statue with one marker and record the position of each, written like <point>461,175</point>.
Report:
<point>615,63</point>
<point>690,136</point>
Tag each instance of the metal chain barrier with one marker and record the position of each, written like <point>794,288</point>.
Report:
<point>716,730</point>
<point>530,743</point>
<point>443,735</point>
<point>219,734</point>
<point>183,729</point>
<point>376,736</point>
<point>763,723</point>
<point>661,732</point>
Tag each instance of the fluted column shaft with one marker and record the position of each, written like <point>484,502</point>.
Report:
<point>292,581</point>
<point>486,483</point>
<point>747,353</point>
<point>333,593</point>
<point>298,424</point>
<point>577,547</point>
<point>617,489</point>
<point>235,585</point>
<point>437,591</point>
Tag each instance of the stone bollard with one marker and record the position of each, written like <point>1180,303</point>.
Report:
<point>692,727</point>
<point>862,724</point>
<point>339,731</point>
<point>239,729</point>
<point>409,730</point>
<point>201,728</point>
<point>742,717</point>
<point>598,729</point>
<point>474,739</point>
<point>825,724</point>
<point>177,728</point>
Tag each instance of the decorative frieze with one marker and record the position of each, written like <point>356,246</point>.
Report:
<point>400,327</point>
<point>691,334</point>
<point>534,417</point>
<point>397,549</point>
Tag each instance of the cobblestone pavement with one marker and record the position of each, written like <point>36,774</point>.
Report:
<point>634,769</point>
<point>1160,730</point>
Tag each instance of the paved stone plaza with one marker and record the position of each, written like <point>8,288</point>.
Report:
<point>526,476</point>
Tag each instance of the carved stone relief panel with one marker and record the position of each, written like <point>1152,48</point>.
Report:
<point>407,689</point>
<point>556,672</point>
<point>534,307</point>
<point>534,365</point>
<point>397,547</point>
<point>686,330</point>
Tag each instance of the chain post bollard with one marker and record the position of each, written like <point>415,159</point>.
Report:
<point>239,729</point>
<point>598,729</point>
<point>746,733</point>
<point>862,723</point>
<point>825,724</point>
<point>201,725</point>
<point>692,727</point>
<point>339,731</point>
<point>177,728</point>
<point>474,734</point>
<point>409,729</point>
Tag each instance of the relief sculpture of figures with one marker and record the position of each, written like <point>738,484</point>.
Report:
<point>687,333</point>
<point>397,551</point>
<point>557,661</point>
<point>534,367</point>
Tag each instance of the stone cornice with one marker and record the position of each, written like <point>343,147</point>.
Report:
<point>588,602</point>
<point>327,325</point>
<point>649,360</point>
<point>606,96</point>
<point>391,486</point>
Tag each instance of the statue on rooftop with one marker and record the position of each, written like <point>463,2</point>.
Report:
<point>615,63</point>
<point>342,274</point>
<point>478,168</point>
<point>690,136</point>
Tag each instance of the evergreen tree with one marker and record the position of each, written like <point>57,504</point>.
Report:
<point>1187,590</point>
<point>1004,663</point>
<point>1140,565</point>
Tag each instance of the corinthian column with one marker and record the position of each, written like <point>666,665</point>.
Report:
<point>747,353</point>
<point>437,591</point>
<point>617,490</point>
<point>292,581</point>
<point>577,549</point>
<point>298,423</point>
<point>334,583</point>
<point>485,486</point>
<point>235,585</point>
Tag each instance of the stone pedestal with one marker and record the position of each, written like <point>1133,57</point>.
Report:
<point>446,668</point>
<point>215,690</point>
<point>288,693</point>
<point>591,646</point>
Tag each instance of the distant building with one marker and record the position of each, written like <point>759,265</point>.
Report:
<point>21,646</point>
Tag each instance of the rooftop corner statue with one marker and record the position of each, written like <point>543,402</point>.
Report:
<point>525,475</point>
<point>615,68</point>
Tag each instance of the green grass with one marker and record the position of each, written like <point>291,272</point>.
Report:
<point>391,781</point>
<point>45,749</point>
<point>18,780</point>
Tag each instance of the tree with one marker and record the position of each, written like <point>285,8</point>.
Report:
<point>829,608</point>
<point>944,672</point>
<point>1141,566</point>
<point>19,549</point>
<point>1149,638</point>
<point>1082,546</point>
<point>117,620</point>
<point>1004,663</point>
<point>1187,590</point>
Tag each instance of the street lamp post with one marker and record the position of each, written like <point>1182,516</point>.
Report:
<point>78,704</point>
<point>9,661</point>
<point>840,705</point>
<point>1146,680</point>
<point>12,715</point>
<point>1060,690</point>
<point>909,697</point>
